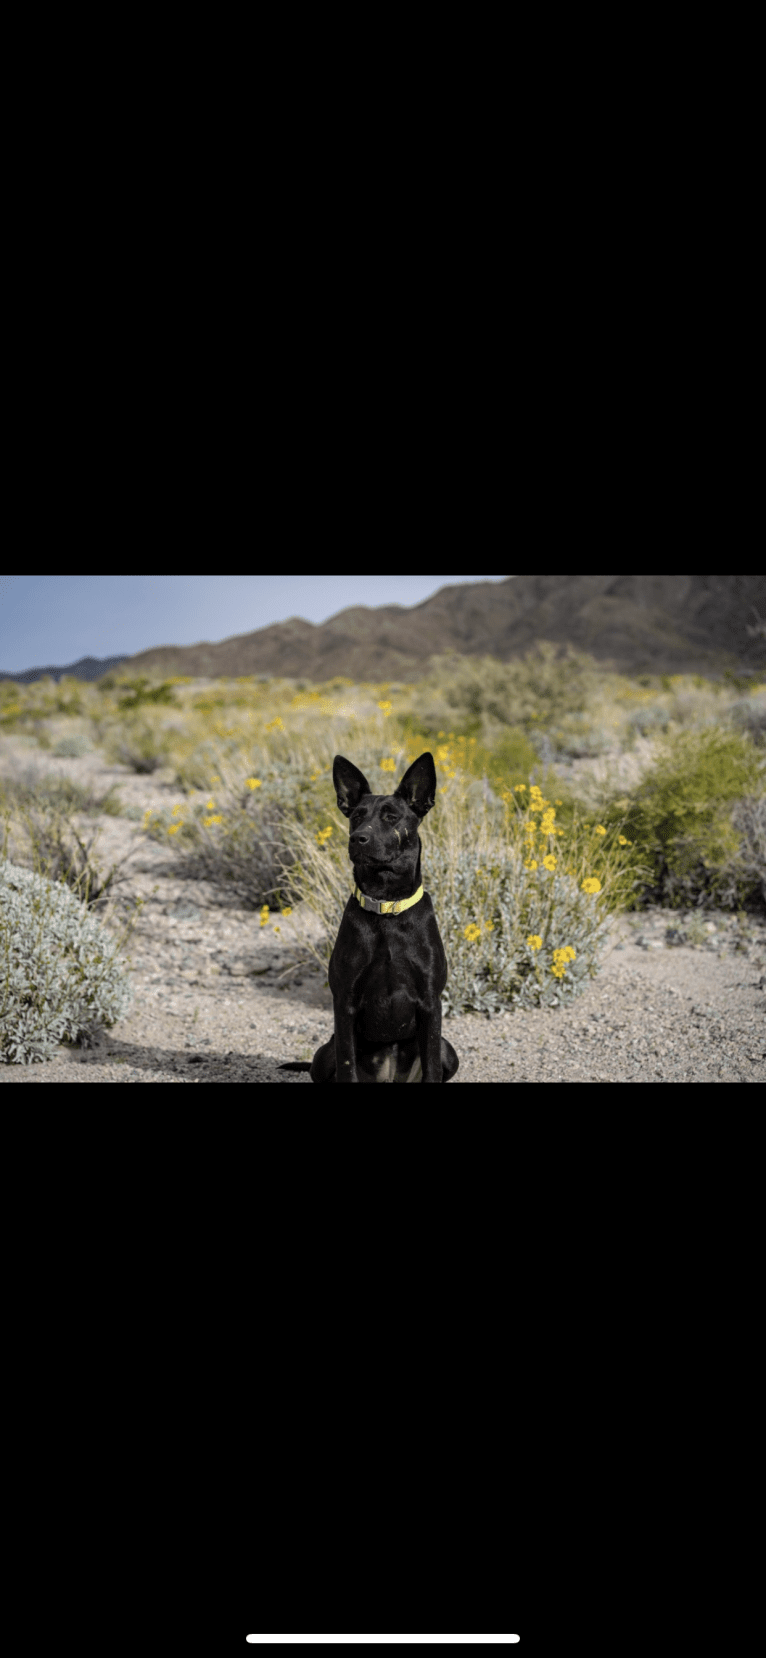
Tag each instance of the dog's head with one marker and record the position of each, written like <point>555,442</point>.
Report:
<point>383,840</point>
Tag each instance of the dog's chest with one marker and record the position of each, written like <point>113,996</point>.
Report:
<point>389,979</point>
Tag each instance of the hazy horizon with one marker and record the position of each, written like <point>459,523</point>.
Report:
<point>53,621</point>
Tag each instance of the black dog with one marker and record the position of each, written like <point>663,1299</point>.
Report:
<point>388,968</point>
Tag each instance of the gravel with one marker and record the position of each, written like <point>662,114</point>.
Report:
<point>658,1012</point>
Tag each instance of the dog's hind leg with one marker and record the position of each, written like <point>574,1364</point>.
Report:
<point>323,1063</point>
<point>450,1061</point>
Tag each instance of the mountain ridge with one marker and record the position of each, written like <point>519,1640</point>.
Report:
<point>638,624</point>
<point>105,665</point>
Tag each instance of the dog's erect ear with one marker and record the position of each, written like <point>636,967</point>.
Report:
<point>418,785</point>
<point>350,784</point>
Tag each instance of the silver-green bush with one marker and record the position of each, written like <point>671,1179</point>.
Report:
<point>72,747</point>
<point>511,960</point>
<point>60,978</point>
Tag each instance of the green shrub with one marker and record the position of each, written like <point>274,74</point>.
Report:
<point>138,745</point>
<point>66,697</point>
<point>138,692</point>
<point>512,755</point>
<point>59,974</point>
<point>468,692</point>
<point>695,820</point>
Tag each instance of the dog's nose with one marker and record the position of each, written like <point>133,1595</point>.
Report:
<point>359,840</point>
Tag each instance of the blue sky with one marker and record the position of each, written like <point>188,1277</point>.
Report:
<point>51,621</point>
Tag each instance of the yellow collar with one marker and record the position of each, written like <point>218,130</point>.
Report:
<point>386,906</point>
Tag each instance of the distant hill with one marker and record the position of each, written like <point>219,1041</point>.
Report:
<point>642,624</point>
<point>636,624</point>
<point>88,667</point>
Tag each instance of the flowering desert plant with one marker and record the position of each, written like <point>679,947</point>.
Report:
<point>522,911</point>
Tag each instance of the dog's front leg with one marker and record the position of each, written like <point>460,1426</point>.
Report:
<point>345,1050</point>
<point>428,1023</point>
